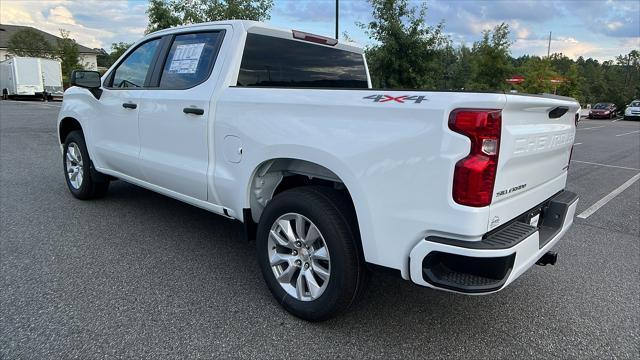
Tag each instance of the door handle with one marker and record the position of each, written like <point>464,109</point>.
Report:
<point>194,111</point>
<point>129,105</point>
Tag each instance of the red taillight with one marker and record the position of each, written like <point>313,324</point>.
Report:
<point>475,175</point>
<point>301,35</point>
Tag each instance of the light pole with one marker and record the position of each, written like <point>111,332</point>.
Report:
<point>337,15</point>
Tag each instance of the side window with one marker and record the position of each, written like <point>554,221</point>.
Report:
<point>190,60</point>
<point>132,72</point>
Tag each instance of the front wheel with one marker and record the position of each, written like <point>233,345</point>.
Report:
<point>308,254</point>
<point>77,169</point>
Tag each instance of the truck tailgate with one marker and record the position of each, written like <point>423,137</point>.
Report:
<point>535,147</point>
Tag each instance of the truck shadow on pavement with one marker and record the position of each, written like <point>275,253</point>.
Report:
<point>207,254</point>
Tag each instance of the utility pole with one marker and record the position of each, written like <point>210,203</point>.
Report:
<point>549,47</point>
<point>337,15</point>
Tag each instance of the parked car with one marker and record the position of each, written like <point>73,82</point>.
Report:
<point>603,111</point>
<point>632,112</point>
<point>282,131</point>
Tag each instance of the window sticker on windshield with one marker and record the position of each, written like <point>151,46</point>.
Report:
<point>185,59</point>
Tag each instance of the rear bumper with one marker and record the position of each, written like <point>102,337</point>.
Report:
<point>482,267</point>
<point>600,116</point>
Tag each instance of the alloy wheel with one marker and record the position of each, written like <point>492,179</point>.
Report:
<point>75,166</point>
<point>299,257</point>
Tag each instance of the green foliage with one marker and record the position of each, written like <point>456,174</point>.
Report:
<point>538,73</point>
<point>167,13</point>
<point>491,62</point>
<point>31,43</point>
<point>102,58</point>
<point>406,51</point>
<point>567,70</point>
<point>106,59</point>
<point>68,54</point>
<point>462,70</point>
<point>117,49</point>
<point>161,16</point>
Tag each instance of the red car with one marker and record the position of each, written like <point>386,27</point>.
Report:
<point>603,111</point>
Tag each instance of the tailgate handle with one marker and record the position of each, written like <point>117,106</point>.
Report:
<point>558,112</point>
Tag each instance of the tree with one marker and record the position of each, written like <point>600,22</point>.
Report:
<point>68,54</point>
<point>117,49</point>
<point>462,69</point>
<point>405,54</point>
<point>102,58</point>
<point>491,63</point>
<point>167,13</point>
<point>630,71</point>
<point>538,74</point>
<point>29,42</point>
<point>568,71</point>
<point>161,16</point>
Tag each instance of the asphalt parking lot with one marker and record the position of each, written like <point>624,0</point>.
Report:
<point>140,275</point>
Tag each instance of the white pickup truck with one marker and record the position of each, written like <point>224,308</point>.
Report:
<point>282,131</point>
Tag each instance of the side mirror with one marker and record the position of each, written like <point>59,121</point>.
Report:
<point>85,79</point>
<point>88,80</point>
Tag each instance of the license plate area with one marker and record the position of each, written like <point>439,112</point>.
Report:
<point>535,216</point>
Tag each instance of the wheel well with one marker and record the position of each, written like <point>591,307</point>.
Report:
<point>275,176</point>
<point>66,126</point>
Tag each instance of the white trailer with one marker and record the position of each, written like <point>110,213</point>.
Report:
<point>29,76</point>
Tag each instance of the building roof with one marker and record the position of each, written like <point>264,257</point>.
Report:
<point>7,31</point>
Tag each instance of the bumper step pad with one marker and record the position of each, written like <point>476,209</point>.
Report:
<point>485,274</point>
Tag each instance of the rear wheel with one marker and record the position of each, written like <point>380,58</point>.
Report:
<point>307,251</point>
<point>83,182</point>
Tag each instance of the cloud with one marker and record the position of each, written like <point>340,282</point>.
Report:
<point>587,28</point>
<point>615,18</point>
<point>574,48</point>
<point>61,15</point>
<point>93,23</point>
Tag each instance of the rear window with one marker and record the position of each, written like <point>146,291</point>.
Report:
<point>277,62</point>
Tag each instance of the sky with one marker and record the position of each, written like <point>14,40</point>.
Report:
<point>598,29</point>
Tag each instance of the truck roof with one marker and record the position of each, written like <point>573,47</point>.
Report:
<point>256,27</point>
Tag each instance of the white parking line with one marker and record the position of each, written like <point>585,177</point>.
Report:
<point>632,132</point>
<point>605,165</point>
<point>593,208</point>
<point>574,144</point>
<point>595,127</point>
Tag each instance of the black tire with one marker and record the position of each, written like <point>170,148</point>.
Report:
<point>94,185</point>
<point>332,213</point>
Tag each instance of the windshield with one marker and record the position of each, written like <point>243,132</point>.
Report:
<point>635,104</point>
<point>601,106</point>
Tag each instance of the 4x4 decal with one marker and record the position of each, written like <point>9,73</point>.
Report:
<point>399,99</point>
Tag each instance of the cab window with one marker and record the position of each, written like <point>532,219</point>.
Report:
<point>132,72</point>
<point>190,60</point>
<point>277,62</point>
